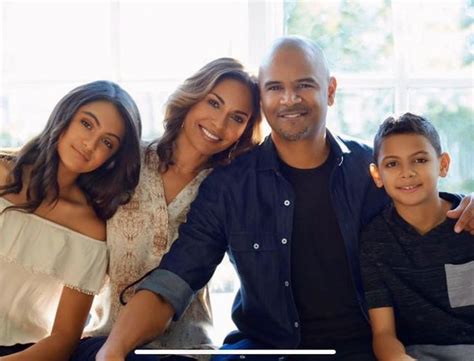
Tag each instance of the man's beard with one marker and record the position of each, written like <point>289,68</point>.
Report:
<point>293,136</point>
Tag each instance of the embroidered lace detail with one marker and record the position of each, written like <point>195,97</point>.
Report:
<point>138,236</point>
<point>7,156</point>
<point>51,274</point>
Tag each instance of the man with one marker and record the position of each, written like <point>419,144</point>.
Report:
<point>289,214</point>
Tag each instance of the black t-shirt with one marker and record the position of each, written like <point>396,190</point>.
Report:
<point>428,279</point>
<point>321,281</point>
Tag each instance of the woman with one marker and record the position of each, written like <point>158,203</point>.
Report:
<point>55,195</point>
<point>210,119</point>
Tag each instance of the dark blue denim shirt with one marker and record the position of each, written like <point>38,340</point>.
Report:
<point>246,210</point>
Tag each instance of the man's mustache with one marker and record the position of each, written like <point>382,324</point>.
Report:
<point>294,109</point>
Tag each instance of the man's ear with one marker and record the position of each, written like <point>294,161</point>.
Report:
<point>444,161</point>
<point>374,172</point>
<point>332,90</point>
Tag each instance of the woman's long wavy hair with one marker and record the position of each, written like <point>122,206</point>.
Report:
<point>193,90</point>
<point>105,188</point>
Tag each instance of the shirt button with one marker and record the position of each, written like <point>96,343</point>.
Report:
<point>256,246</point>
<point>286,202</point>
<point>287,283</point>
<point>242,357</point>
<point>284,241</point>
<point>297,325</point>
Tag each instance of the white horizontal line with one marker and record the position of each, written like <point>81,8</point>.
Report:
<point>234,352</point>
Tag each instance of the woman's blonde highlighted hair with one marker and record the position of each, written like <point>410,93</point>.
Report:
<point>193,90</point>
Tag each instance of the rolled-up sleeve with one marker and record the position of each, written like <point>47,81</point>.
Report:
<point>171,287</point>
<point>199,248</point>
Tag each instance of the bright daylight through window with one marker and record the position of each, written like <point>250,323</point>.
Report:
<point>388,57</point>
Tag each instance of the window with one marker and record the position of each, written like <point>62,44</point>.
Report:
<point>51,47</point>
<point>48,48</point>
<point>397,56</point>
<point>388,56</point>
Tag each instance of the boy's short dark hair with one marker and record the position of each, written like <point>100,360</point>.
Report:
<point>408,123</point>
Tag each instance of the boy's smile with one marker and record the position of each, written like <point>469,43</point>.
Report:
<point>410,188</point>
<point>408,168</point>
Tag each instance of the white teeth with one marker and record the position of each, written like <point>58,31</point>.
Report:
<point>409,187</point>
<point>292,115</point>
<point>209,134</point>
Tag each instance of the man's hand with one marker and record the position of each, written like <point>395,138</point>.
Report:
<point>146,316</point>
<point>464,213</point>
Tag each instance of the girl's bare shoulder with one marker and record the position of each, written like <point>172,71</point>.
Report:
<point>73,211</point>
<point>88,223</point>
<point>80,217</point>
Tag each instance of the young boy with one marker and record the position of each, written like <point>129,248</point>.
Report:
<point>418,273</point>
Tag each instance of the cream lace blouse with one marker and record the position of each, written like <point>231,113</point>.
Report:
<point>37,258</point>
<point>138,236</point>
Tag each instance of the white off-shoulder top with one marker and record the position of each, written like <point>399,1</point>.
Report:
<point>37,258</point>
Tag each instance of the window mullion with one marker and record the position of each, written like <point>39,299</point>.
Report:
<point>400,57</point>
<point>266,23</point>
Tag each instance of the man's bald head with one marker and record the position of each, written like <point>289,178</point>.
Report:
<point>296,89</point>
<point>310,49</point>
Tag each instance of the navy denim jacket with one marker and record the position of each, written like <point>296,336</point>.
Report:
<point>246,209</point>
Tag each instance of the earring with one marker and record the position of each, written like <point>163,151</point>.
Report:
<point>111,165</point>
<point>232,150</point>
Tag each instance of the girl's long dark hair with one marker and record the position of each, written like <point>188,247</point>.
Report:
<point>193,90</point>
<point>105,188</point>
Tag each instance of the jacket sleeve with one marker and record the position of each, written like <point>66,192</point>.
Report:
<point>199,248</point>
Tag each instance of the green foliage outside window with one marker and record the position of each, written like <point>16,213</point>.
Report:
<point>357,37</point>
<point>456,126</point>
<point>343,29</point>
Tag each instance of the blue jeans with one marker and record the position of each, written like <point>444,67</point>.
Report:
<point>237,341</point>
<point>354,351</point>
